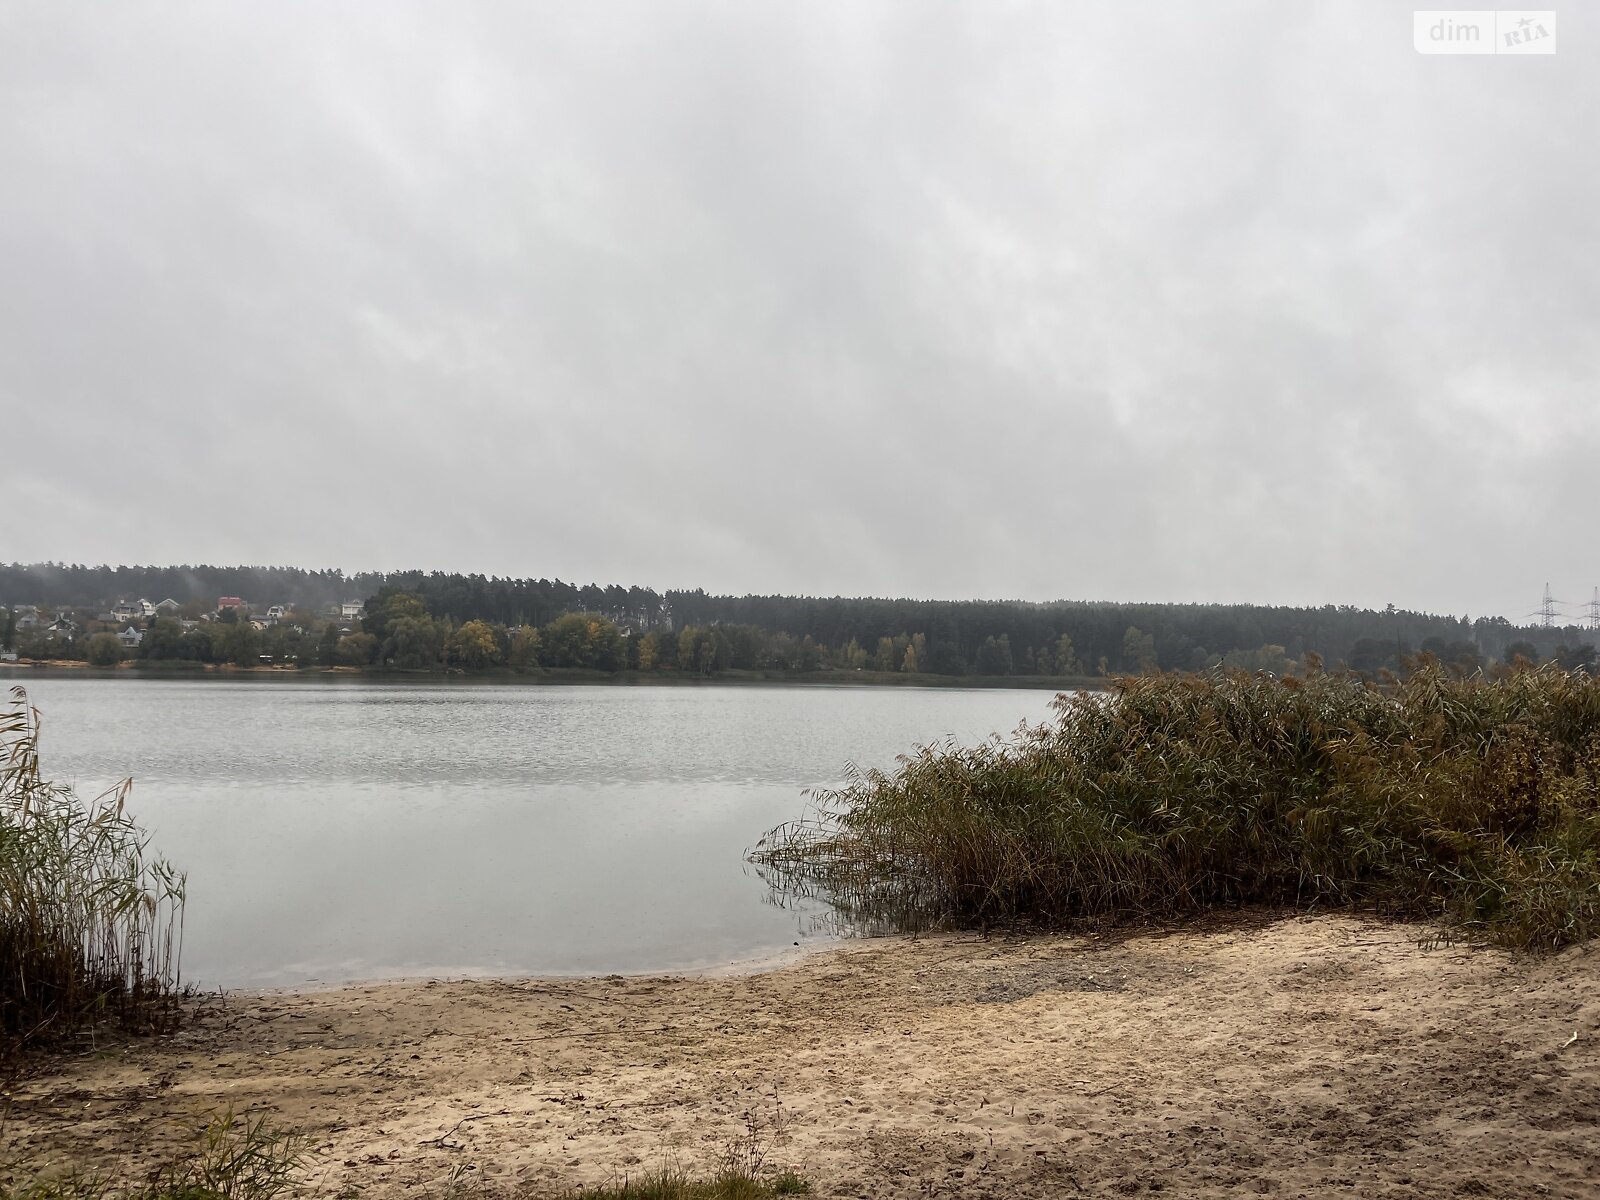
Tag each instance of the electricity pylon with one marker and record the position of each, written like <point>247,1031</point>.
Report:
<point>1547,610</point>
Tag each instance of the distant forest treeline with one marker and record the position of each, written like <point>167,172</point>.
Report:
<point>985,638</point>
<point>58,585</point>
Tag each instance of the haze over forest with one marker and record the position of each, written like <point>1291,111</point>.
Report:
<point>1234,302</point>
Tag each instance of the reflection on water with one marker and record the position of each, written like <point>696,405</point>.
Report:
<point>338,829</point>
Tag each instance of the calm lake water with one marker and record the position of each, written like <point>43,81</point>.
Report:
<point>336,829</point>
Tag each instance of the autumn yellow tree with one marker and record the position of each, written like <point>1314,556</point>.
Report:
<point>1066,657</point>
<point>473,647</point>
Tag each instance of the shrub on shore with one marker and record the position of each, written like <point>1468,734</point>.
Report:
<point>90,927</point>
<point>1476,800</point>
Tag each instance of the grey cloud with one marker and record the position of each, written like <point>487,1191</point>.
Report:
<point>1241,301</point>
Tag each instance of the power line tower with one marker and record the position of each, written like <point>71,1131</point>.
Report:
<point>1592,610</point>
<point>1547,610</point>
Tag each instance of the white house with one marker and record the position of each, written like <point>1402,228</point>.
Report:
<point>168,606</point>
<point>352,610</point>
<point>128,610</point>
<point>130,637</point>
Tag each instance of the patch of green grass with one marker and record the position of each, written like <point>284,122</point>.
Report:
<point>669,1184</point>
<point>744,1173</point>
<point>1476,800</point>
<point>236,1158</point>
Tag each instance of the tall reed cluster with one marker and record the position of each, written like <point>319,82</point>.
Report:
<point>90,926</point>
<point>1476,800</point>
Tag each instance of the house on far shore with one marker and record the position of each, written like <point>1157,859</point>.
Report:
<point>168,606</point>
<point>130,637</point>
<point>224,602</point>
<point>352,610</point>
<point>265,620</point>
<point>27,618</point>
<point>128,610</point>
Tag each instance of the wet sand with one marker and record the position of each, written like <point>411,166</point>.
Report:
<point>1296,1057</point>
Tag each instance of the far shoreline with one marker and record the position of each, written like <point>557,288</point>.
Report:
<point>558,676</point>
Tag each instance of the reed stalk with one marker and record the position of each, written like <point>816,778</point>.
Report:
<point>91,925</point>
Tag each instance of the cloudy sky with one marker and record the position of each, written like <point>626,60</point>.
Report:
<point>1103,301</point>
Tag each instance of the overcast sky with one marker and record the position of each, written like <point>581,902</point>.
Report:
<point>1099,301</point>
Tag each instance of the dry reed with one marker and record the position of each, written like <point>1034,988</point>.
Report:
<point>1476,800</point>
<point>90,925</point>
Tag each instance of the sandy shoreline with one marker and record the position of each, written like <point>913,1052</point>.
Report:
<point>1299,1057</point>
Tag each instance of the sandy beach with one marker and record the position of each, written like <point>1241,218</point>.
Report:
<point>1297,1057</point>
